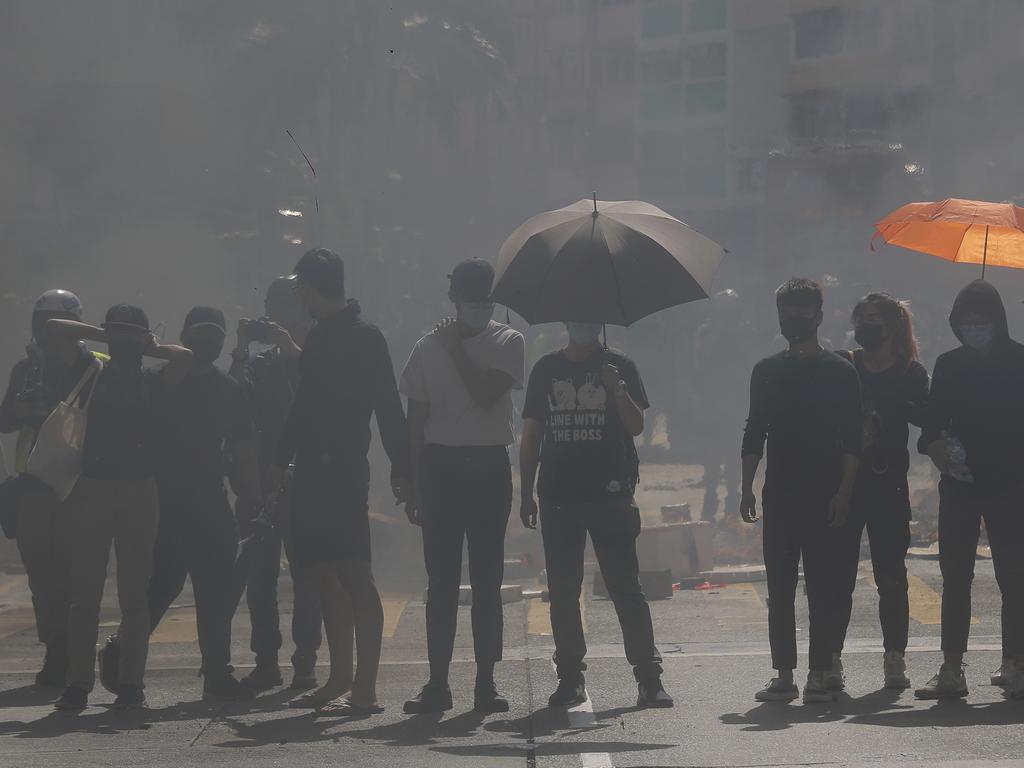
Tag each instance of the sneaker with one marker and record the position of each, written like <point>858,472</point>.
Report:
<point>894,668</point>
<point>816,688</point>
<point>74,699</point>
<point>225,688</point>
<point>950,683</point>
<point>54,672</point>
<point>487,699</point>
<point>303,681</point>
<point>263,678</point>
<point>130,698</point>
<point>109,660</point>
<point>652,695</point>
<point>570,692</point>
<point>1001,677</point>
<point>433,697</point>
<point>776,690</point>
<point>835,679</point>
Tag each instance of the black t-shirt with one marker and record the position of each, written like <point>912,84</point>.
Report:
<point>809,409</point>
<point>120,438</point>
<point>586,454</point>
<point>893,400</point>
<point>195,419</point>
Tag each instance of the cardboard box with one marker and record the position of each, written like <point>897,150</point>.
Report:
<point>685,549</point>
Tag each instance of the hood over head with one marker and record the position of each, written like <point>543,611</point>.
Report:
<point>980,297</point>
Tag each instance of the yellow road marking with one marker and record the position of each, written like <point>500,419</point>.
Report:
<point>925,602</point>
<point>538,616</point>
<point>394,607</point>
<point>177,626</point>
<point>13,583</point>
<point>17,620</point>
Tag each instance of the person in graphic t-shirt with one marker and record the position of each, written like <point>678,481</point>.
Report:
<point>459,380</point>
<point>584,406</point>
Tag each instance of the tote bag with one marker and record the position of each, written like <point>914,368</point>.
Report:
<point>56,458</point>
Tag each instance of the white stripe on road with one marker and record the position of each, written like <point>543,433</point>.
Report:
<point>582,716</point>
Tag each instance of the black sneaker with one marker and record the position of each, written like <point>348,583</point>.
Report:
<point>652,695</point>
<point>225,688</point>
<point>130,698</point>
<point>109,660</point>
<point>433,697</point>
<point>486,698</point>
<point>74,699</point>
<point>303,681</point>
<point>54,673</point>
<point>570,692</point>
<point>263,678</point>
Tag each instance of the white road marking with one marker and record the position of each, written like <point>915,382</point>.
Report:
<point>582,716</point>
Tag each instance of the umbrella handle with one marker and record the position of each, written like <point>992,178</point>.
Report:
<point>984,254</point>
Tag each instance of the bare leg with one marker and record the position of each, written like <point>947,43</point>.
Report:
<point>368,614</point>
<point>336,605</point>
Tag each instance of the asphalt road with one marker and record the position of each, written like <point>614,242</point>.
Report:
<point>716,657</point>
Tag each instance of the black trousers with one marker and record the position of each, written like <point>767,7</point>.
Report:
<point>261,598</point>
<point>197,538</point>
<point>961,510</point>
<point>466,494</point>
<point>613,527</point>
<point>796,530</point>
<point>882,507</point>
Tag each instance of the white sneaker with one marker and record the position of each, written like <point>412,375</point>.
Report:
<point>776,690</point>
<point>835,680</point>
<point>815,690</point>
<point>950,683</point>
<point>1001,677</point>
<point>894,667</point>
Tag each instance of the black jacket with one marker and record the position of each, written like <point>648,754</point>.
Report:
<point>979,398</point>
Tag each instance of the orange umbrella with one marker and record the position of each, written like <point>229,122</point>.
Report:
<point>966,231</point>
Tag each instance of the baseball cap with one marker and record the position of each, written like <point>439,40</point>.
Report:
<point>472,280</point>
<point>199,317</point>
<point>126,315</point>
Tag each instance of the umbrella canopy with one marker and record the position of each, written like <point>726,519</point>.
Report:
<point>967,231</point>
<point>600,261</point>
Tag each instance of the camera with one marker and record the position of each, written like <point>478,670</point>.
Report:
<point>258,330</point>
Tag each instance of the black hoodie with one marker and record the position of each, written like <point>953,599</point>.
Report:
<point>979,398</point>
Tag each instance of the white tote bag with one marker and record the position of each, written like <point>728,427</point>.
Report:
<point>56,458</point>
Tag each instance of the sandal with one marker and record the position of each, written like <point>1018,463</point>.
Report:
<point>345,707</point>
<point>311,700</point>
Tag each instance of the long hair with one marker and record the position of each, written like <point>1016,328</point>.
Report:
<point>898,319</point>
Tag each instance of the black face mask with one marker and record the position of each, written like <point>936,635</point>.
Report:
<point>206,351</point>
<point>125,351</point>
<point>797,330</point>
<point>870,335</point>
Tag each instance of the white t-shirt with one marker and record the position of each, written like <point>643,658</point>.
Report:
<point>454,419</point>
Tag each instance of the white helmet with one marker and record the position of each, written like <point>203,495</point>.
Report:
<point>59,301</point>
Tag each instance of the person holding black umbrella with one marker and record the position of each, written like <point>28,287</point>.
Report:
<point>584,406</point>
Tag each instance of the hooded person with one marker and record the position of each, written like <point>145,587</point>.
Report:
<point>972,432</point>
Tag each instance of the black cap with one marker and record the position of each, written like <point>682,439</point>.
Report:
<point>282,288</point>
<point>127,314</point>
<point>472,280</point>
<point>199,316</point>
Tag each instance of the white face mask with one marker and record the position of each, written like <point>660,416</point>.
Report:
<point>583,334</point>
<point>476,315</point>
<point>977,336</point>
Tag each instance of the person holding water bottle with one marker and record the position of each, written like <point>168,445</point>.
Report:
<point>972,432</point>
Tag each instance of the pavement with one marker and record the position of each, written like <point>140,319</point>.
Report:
<point>716,656</point>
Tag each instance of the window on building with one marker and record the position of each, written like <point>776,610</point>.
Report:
<point>706,60</point>
<point>661,20</point>
<point>863,30</point>
<point>705,97</point>
<point>705,178</point>
<point>750,176</point>
<point>664,65</point>
<point>816,115</point>
<point>818,33</point>
<point>707,15</point>
<point>661,101</point>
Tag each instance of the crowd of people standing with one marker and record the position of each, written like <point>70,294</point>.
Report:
<point>288,431</point>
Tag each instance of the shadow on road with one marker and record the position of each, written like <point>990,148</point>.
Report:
<point>891,709</point>
<point>28,696</point>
